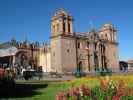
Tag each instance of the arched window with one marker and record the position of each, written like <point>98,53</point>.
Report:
<point>106,36</point>
<point>53,28</point>
<point>78,44</point>
<point>69,27</point>
<point>68,50</point>
<point>79,66</point>
<point>88,44</point>
<point>95,45</point>
<point>64,27</point>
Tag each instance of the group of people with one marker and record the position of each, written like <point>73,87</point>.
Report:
<point>20,72</point>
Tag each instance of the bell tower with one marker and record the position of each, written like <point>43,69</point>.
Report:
<point>63,48</point>
<point>61,23</point>
<point>108,32</point>
<point>108,36</point>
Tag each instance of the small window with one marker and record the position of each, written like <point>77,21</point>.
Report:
<point>106,36</point>
<point>78,45</point>
<point>53,28</point>
<point>95,46</point>
<point>69,27</point>
<point>64,26</point>
<point>88,44</point>
<point>68,50</point>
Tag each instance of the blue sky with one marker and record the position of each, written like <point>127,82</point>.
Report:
<point>31,19</point>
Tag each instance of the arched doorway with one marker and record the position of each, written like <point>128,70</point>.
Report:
<point>80,66</point>
<point>22,58</point>
<point>103,56</point>
<point>96,64</point>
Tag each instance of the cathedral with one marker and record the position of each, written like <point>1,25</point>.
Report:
<point>69,50</point>
<point>87,52</point>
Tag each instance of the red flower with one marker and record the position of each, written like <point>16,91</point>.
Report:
<point>116,98</point>
<point>120,92</point>
<point>2,72</point>
<point>130,92</point>
<point>76,92</point>
<point>86,90</point>
<point>60,96</point>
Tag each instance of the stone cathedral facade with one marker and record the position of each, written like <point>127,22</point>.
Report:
<point>69,50</point>
<point>88,51</point>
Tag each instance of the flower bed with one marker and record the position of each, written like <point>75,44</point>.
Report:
<point>109,89</point>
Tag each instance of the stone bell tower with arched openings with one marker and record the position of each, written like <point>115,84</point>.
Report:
<point>108,36</point>
<point>61,23</point>
<point>63,49</point>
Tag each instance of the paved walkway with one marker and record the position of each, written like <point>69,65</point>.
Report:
<point>64,77</point>
<point>47,78</point>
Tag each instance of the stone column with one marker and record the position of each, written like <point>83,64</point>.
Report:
<point>99,60</point>
<point>91,58</point>
<point>13,60</point>
<point>71,27</point>
<point>66,25</point>
<point>61,26</point>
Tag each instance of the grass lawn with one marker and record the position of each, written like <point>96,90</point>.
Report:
<point>47,90</point>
